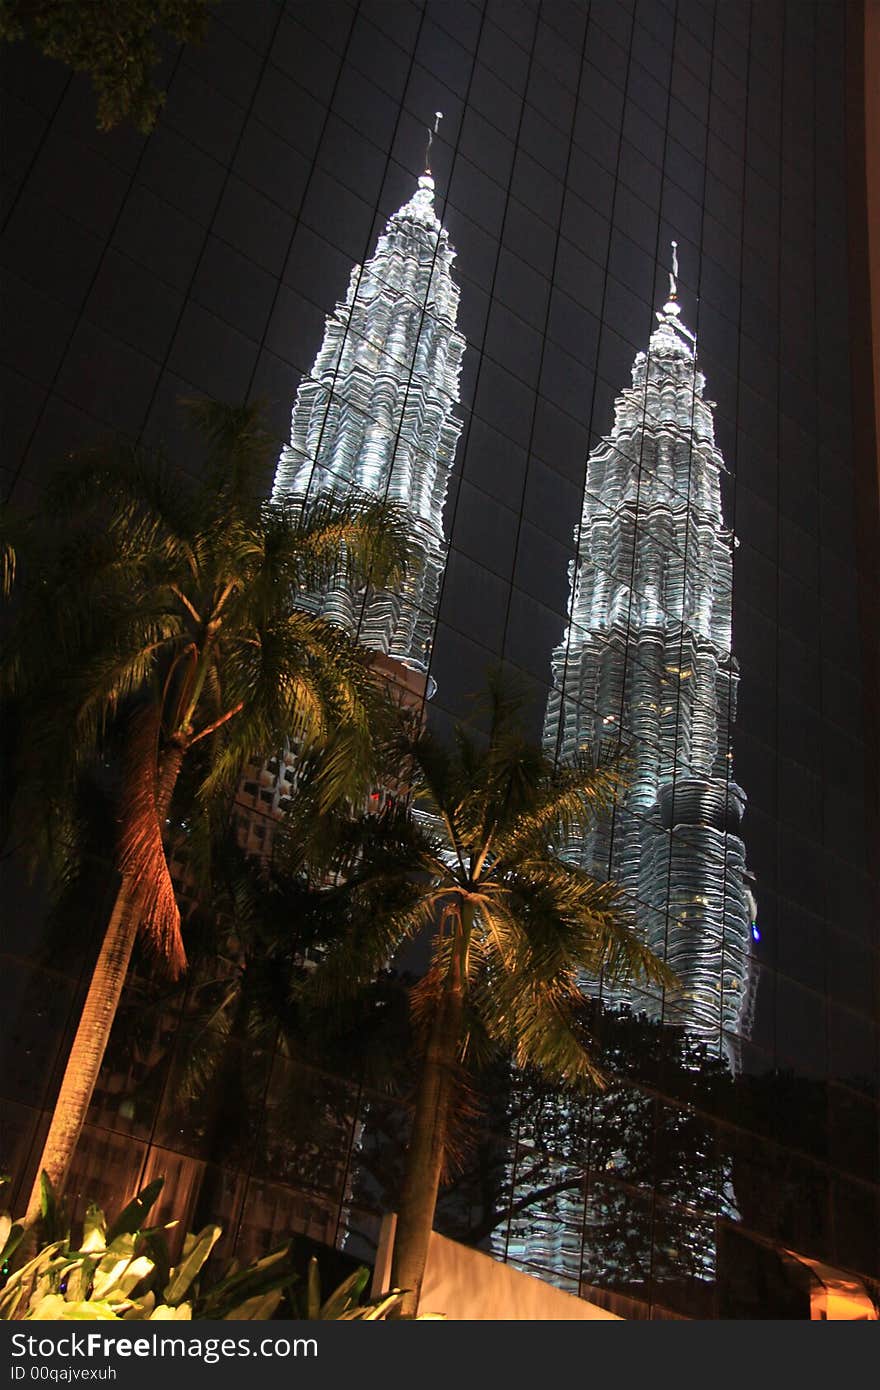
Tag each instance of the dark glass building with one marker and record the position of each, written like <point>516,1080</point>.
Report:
<point>579,139</point>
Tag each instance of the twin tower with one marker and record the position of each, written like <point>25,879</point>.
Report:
<point>646,657</point>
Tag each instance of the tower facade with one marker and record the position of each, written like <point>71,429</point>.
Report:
<point>646,664</point>
<point>376,414</point>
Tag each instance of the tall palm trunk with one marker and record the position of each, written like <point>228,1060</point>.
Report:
<point>427,1144</point>
<point>99,1010</point>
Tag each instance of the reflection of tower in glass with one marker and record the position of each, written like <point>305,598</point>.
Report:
<point>646,660</point>
<point>375,413</point>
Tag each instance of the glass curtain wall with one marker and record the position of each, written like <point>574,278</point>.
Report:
<point>579,139</point>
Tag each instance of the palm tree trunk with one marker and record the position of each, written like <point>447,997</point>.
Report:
<point>421,1184</point>
<point>99,1011</point>
<point>89,1044</point>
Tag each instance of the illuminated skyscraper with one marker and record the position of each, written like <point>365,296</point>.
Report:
<point>646,663</point>
<point>376,413</point>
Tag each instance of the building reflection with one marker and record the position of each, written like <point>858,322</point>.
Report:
<point>645,668</point>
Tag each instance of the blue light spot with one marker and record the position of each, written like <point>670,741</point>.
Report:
<point>756,935</point>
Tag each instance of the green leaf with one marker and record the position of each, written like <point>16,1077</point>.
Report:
<point>131,1218</point>
<point>21,1278</point>
<point>165,1313</point>
<point>79,1279</point>
<point>113,1265</point>
<point>258,1308</point>
<point>52,1212</point>
<point>373,1312</point>
<point>139,1268</point>
<point>272,1272</point>
<point>142,1310</point>
<point>346,1295</point>
<point>10,1236</point>
<point>194,1257</point>
<point>94,1230</point>
<point>153,1243</point>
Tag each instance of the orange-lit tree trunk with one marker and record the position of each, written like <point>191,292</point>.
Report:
<point>424,1165</point>
<point>99,1010</point>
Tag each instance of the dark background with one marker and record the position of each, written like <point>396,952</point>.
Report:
<point>577,140</point>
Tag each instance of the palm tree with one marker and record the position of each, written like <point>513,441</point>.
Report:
<point>155,616</point>
<point>479,853</point>
<point>260,931</point>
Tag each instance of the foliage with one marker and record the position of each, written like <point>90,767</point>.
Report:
<point>345,1303</point>
<point>124,1271</point>
<point>158,627</point>
<point>157,633</point>
<point>587,1158</point>
<point>114,43</point>
<point>477,850</point>
<point>198,1046</point>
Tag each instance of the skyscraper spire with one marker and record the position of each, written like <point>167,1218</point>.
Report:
<point>647,660</point>
<point>673,274</point>
<point>438,117</point>
<point>376,413</point>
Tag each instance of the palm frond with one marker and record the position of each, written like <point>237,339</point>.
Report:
<point>141,850</point>
<point>540,1023</point>
<point>11,527</point>
<point>239,448</point>
<point>356,538</point>
<point>561,801</point>
<point>146,506</point>
<point>375,923</point>
<point>302,679</point>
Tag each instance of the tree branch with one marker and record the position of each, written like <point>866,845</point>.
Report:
<point>210,728</point>
<point>179,594</point>
<point>552,1190</point>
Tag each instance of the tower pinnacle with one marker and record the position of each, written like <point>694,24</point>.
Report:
<point>377,413</point>
<point>438,117</point>
<point>671,335</point>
